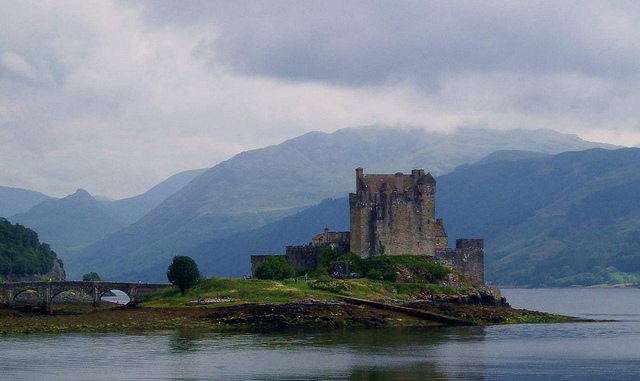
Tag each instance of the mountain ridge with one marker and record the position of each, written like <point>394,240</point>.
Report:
<point>260,186</point>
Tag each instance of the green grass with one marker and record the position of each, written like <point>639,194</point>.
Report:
<point>272,291</point>
<point>241,290</point>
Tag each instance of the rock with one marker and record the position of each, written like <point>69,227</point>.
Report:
<point>202,302</point>
<point>492,296</point>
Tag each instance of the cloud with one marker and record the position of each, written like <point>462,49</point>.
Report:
<point>114,97</point>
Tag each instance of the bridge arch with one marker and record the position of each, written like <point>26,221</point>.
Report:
<point>20,291</point>
<point>103,298</point>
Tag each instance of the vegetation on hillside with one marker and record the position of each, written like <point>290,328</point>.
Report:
<point>21,253</point>
<point>385,267</point>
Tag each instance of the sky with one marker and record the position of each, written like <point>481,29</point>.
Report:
<point>116,96</point>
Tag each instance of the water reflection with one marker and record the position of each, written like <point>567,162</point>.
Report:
<point>426,372</point>
<point>186,340</point>
<point>389,354</point>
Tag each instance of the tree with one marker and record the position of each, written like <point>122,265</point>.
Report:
<point>275,267</point>
<point>91,277</point>
<point>183,272</point>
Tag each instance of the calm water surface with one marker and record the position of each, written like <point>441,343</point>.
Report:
<point>576,351</point>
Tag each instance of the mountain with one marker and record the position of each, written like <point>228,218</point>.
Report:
<point>510,155</point>
<point>572,218</point>
<point>76,220</point>
<point>16,200</point>
<point>230,256</point>
<point>130,210</point>
<point>264,185</point>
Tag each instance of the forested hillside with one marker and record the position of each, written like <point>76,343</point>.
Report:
<point>21,253</point>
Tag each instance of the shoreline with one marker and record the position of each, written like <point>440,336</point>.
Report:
<point>266,317</point>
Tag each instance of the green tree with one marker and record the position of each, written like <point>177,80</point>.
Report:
<point>183,272</point>
<point>91,277</point>
<point>274,267</point>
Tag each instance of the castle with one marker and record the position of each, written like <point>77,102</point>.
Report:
<point>392,215</point>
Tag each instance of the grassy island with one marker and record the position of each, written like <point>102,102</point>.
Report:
<point>253,304</point>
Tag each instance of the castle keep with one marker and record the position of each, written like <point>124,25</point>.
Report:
<point>392,215</point>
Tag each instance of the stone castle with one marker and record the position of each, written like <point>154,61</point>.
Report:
<point>392,215</point>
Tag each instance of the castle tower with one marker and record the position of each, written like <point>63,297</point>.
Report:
<point>394,214</point>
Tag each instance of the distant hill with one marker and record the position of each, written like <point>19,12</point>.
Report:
<point>230,256</point>
<point>573,218</point>
<point>510,155</point>
<point>257,187</point>
<point>16,200</point>
<point>130,210</point>
<point>76,220</point>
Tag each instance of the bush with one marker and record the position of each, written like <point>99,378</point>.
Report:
<point>330,284</point>
<point>274,267</point>
<point>91,277</point>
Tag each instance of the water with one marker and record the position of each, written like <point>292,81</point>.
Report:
<point>575,351</point>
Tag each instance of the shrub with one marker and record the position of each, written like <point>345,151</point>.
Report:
<point>274,267</point>
<point>92,276</point>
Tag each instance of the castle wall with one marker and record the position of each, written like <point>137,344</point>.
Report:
<point>307,257</point>
<point>467,258</point>
<point>303,257</point>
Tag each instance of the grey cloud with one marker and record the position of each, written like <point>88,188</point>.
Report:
<point>367,43</point>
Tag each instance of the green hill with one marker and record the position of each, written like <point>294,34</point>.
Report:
<point>21,253</point>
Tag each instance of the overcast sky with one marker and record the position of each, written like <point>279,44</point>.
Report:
<point>114,97</point>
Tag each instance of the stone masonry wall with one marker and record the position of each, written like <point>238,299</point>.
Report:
<point>303,257</point>
<point>467,258</point>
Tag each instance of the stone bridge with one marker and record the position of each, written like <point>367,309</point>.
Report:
<point>48,290</point>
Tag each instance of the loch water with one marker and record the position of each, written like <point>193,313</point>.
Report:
<point>572,351</point>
